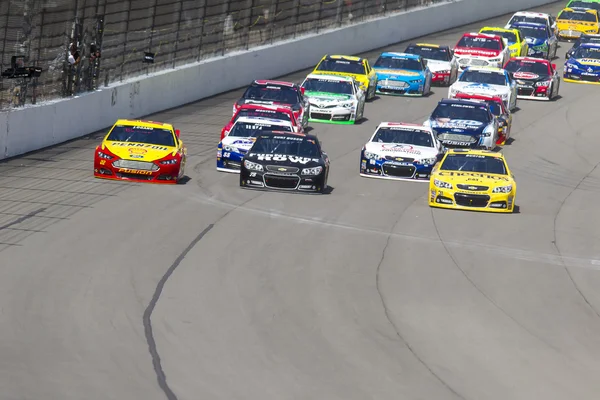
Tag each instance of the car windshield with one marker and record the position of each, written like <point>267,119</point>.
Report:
<point>577,16</point>
<point>286,145</point>
<point>533,32</point>
<point>538,68</point>
<point>142,134</point>
<point>278,94</point>
<point>252,129</point>
<point>479,43</point>
<point>586,39</point>
<point>510,36</point>
<point>587,52</point>
<point>584,4</point>
<point>328,86</point>
<point>402,135</point>
<point>489,77</point>
<point>430,52</point>
<point>253,113</point>
<point>495,108</point>
<point>455,111</point>
<point>346,66</point>
<point>398,63</point>
<point>474,163</point>
<point>528,18</point>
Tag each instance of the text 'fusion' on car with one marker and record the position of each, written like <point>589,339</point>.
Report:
<point>141,151</point>
<point>473,180</point>
<point>287,162</point>
<point>400,151</point>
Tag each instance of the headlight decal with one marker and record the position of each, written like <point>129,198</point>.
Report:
<point>253,166</point>
<point>442,184</point>
<point>312,171</point>
<point>502,189</point>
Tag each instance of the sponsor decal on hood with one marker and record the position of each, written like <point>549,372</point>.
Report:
<point>589,61</point>
<point>473,176</point>
<point>243,143</point>
<point>461,124</point>
<point>282,157</point>
<point>400,148</point>
<point>138,151</point>
<point>481,88</point>
<point>401,72</point>
<point>525,75</point>
<point>396,149</point>
<point>327,97</point>
<point>470,51</point>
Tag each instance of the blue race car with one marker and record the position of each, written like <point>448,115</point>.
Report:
<point>584,65</point>
<point>402,74</point>
<point>542,41</point>
<point>586,38</point>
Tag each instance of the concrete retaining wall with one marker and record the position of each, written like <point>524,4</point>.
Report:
<point>36,127</point>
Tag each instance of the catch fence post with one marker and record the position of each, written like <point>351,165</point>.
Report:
<point>177,33</point>
<point>125,41</point>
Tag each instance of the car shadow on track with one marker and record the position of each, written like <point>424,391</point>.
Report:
<point>184,180</point>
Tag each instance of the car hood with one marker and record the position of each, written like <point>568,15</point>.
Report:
<point>324,98</point>
<point>401,150</point>
<point>588,62</point>
<point>471,51</point>
<point>459,126</point>
<point>474,178</point>
<point>139,151</point>
<point>437,65</point>
<point>400,73</point>
<point>363,79</point>
<point>482,88</point>
<point>529,77</point>
<point>567,24</point>
<point>284,160</point>
<point>242,143</point>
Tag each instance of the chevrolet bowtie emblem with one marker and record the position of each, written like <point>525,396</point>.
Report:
<point>472,187</point>
<point>281,169</point>
<point>399,159</point>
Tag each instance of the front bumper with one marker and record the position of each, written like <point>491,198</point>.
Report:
<point>580,76</point>
<point>165,174</point>
<point>384,169</point>
<point>400,88</point>
<point>569,34</point>
<point>465,62</point>
<point>229,161</point>
<point>440,78</point>
<point>463,200</point>
<point>282,182</point>
<point>336,115</point>
<point>532,92</point>
<point>466,141</point>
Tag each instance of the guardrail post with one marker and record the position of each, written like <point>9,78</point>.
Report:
<point>39,55</point>
<point>272,17</point>
<point>247,28</point>
<point>203,22</point>
<point>227,5</point>
<point>125,42</point>
<point>177,33</point>
<point>339,13</point>
<point>152,35</point>
<point>319,13</point>
<point>296,17</point>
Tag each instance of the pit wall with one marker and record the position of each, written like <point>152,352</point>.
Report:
<point>35,127</point>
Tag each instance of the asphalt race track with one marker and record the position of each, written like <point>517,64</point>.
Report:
<point>113,290</point>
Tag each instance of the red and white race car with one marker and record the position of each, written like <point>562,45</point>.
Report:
<point>536,78</point>
<point>279,93</point>
<point>266,111</point>
<point>481,50</point>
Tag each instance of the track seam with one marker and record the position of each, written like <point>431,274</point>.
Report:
<point>472,282</point>
<point>555,241</point>
<point>387,311</point>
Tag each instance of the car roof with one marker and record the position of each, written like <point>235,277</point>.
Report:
<point>461,101</point>
<point>533,59</point>
<point>435,46</point>
<point>486,35</point>
<point>487,153</point>
<point>405,125</point>
<point>145,123</point>
<point>476,97</point>
<point>338,78</point>
<point>266,82</point>
<point>531,14</point>
<point>528,24</point>
<point>280,133</point>
<point>402,55</point>
<point>266,107</point>
<point>497,28</point>
<point>342,57</point>
<point>273,121</point>
<point>595,45</point>
<point>491,69</point>
<point>579,11</point>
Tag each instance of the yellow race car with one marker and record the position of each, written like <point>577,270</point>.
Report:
<point>477,180</point>
<point>572,23</point>
<point>141,151</point>
<point>517,46</point>
<point>356,67</point>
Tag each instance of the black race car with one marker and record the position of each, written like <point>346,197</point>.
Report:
<point>586,38</point>
<point>278,93</point>
<point>285,161</point>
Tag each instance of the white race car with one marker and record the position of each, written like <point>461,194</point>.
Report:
<point>241,137</point>
<point>486,81</point>
<point>334,99</point>
<point>533,17</point>
<point>400,151</point>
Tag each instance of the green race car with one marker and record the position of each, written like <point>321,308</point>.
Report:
<point>334,99</point>
<point>584,4</point>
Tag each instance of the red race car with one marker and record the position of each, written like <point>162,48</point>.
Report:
<point>283,94</point>
<point>498,108</point>
<point>263,111</point>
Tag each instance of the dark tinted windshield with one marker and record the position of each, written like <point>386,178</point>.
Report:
<point>431,53</point>
<point>495,108</point>
<point>473,163</point>
<point>511,37</point>
<point>461,111</point>
<point>533,32</point>
<point>349,67</point>
<point>523,18</point>
<point>584,4</point>
<point>252,129</point>
<point>264,114</point>
<point>328,86</point>
<point>398,63</point>
<point>577,16</point>
<point>587,52</point>
<point>141,134</point>
<point>286,145</point>
<point>276,94</point>
<point>491,78</point>
<point>403,136</point>
<point>479,43</point>
<point>537,68</point>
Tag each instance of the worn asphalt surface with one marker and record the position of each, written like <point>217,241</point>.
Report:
<point>113,290</point>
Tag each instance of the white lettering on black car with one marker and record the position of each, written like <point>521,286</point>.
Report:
<point>283,157</point>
